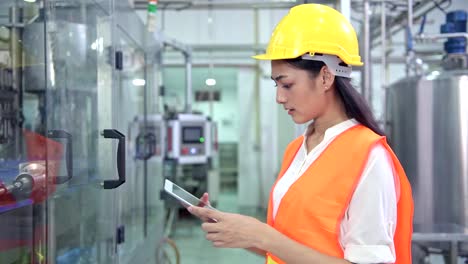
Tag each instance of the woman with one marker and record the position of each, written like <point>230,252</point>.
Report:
<point>342,195</point>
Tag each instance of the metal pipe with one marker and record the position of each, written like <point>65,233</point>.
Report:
<point>399,21</point>
<point>188,78</point>
<point>383,62</point>
<point>192,4</point>
<point>442,36</point>
<point>16,62</point>
<point>159,81</point>
<point>383,22</point>
<point>345,8</point>
<point>187,52</point>
<point>366,91</point>
<point>402,60</point>
<point>228,47</point>
<point>258,127</point>
<point>409,38</point>
<point>453,252</point>
<point>145,162</point>
<point>206,65</point>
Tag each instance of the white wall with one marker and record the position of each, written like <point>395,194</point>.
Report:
<point>248,180</point>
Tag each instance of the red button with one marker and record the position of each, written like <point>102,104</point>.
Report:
<point>185,151</point>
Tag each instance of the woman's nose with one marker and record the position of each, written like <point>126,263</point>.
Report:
<point>280,99</point>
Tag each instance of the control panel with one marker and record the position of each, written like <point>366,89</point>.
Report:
<point>189,138</point>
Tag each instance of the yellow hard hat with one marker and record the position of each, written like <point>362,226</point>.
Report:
<point>310,29</point>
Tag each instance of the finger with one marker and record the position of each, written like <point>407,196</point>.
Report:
<point>219,244</point>
<point>206,220</point>
<point>211,228</point>
<point>184,204</point>
<point>202,213</point>
<point>205,200</point>
<point>212,237</point>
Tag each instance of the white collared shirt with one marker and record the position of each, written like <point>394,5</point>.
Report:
<point>368,226</point>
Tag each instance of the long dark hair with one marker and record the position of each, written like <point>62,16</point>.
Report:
<point>355,105</point>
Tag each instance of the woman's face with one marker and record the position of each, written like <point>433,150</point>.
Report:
<point>302,96</point>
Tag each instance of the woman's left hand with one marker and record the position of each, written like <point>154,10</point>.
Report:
<point>230,230</point>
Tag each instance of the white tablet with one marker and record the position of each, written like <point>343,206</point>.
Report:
<point>182,195</point>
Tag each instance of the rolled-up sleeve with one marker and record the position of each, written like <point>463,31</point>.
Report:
<point>369,224</point>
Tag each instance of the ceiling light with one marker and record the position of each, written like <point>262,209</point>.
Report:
<point>210,82</point>
<point>139,82</point>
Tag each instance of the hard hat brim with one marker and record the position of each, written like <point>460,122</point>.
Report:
<point>261,57</point>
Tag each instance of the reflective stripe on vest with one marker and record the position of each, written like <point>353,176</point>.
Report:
<point>312,209</point>
<point>270,261</point>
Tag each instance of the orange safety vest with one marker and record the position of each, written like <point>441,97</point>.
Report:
<point>312,209</point>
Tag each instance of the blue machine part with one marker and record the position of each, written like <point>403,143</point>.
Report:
<point>456,23</point>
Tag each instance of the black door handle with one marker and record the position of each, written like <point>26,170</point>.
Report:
<point>113,133</point>
<point>68,154</point>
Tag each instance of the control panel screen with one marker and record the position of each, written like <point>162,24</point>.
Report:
<point>191,135</point>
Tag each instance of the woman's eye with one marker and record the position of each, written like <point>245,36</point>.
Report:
<point>284,86</point>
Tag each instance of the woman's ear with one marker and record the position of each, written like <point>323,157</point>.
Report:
<point>327,78</point>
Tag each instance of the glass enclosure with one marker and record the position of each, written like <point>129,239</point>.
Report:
<point>71,83</point>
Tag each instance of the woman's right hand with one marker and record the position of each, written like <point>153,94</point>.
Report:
<point>205,200</point>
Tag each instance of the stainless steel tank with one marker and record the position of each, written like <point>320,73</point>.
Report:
<point>427,124</point>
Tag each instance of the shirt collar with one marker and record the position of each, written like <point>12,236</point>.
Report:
<point>335,130</point>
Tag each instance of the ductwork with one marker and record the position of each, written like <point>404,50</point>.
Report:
<point>225,4</point>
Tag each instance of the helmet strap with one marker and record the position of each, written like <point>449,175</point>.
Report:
<point>332,62</point>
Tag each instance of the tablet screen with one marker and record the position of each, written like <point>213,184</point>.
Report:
<point>186,196</point>
<point>183,195</point>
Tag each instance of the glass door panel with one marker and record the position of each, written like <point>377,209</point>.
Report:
<point>23,185</point>
<point>78,106</point>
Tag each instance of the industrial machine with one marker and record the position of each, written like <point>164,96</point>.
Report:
<point>427,124</point>
<point>189,139</point>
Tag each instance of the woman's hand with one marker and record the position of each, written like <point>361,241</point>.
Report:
<point>230,230</point>
<point>205,200</point>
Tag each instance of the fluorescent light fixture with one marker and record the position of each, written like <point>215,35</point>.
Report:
<point>433,75</point>
<point>210,82</point>
<point>30,1</point>
<point>139,82</point>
